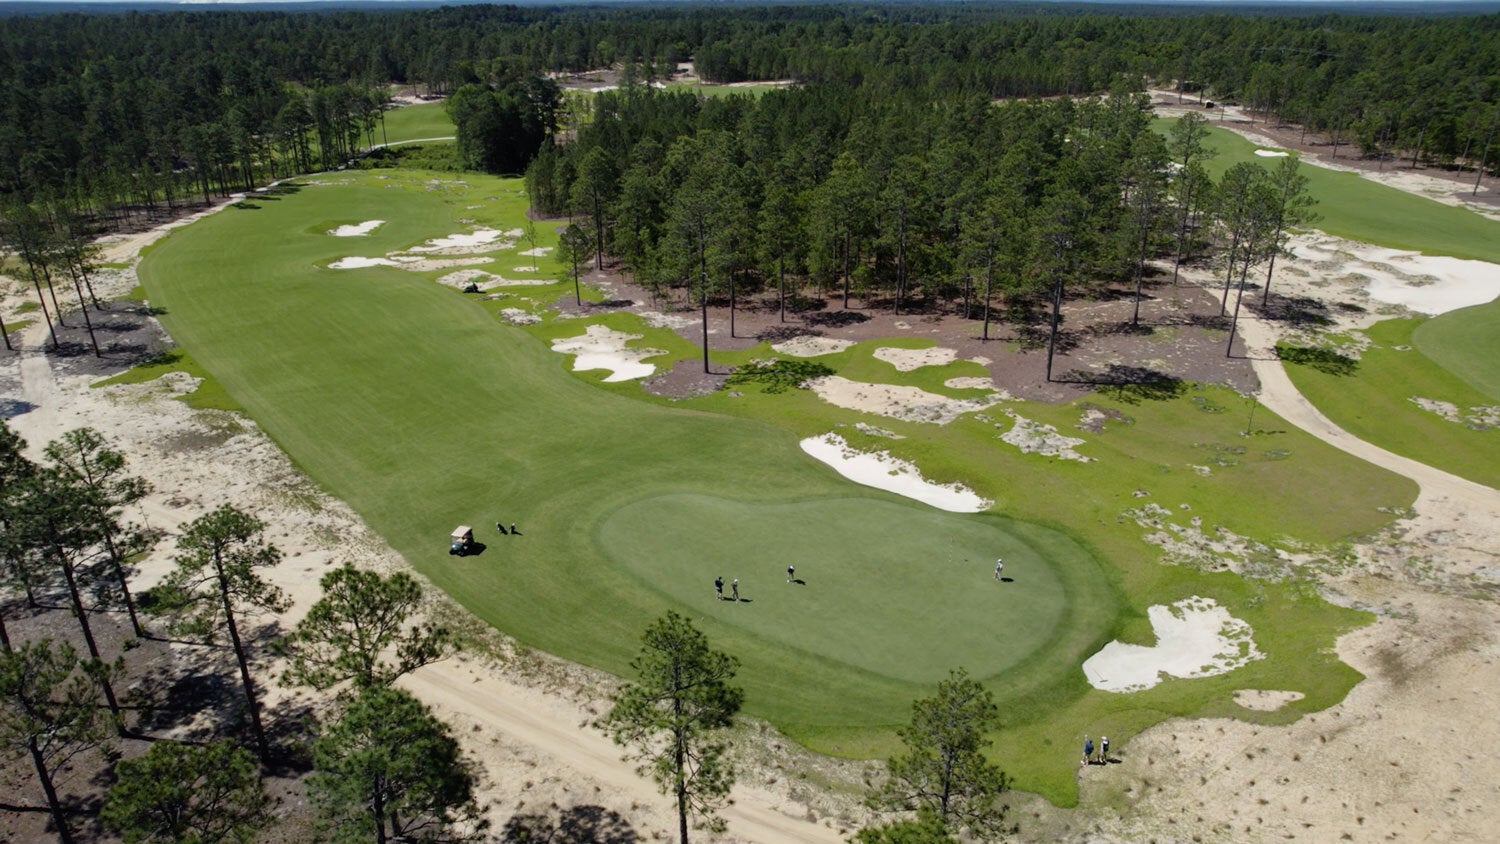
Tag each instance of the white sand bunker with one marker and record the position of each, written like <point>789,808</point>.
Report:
<point>414,263</point>
<point>526,269</point>
<point>1195,637</point>
<point>909,403</point>
<point>1427,284</point>
<point>1271,153</point>
<point>601,347</point>
<point>480,240</point>
<point>356,262</point>
<point>1038,438</point>
<point>537,252</point>
<point>358,230</point>
<point>808,346</point>
<point>516,316</point>
<point>882,471</point>
<point>1265,700</point>
<point>908,359</point>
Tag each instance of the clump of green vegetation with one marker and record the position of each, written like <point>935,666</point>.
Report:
<point>1324,360</point>
<point>441,156</point>
<point>777,376</point>
<point>210,395</point>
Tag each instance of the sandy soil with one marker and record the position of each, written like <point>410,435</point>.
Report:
<point>1402,757</point>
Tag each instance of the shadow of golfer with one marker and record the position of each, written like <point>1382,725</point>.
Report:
<point>1007,580</point>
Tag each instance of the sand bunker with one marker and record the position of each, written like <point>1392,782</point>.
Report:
<point>909,403</point>
<point>537,252</point>
<point>601,347</point>
<point>908,359</point>
<point>1271,153</point>
<point>1195,637</point>
<point>456,243</point>
<point>358,230</point>
<point>809,346</point>
<point>882,471</point>
<point>1427,284</point>
<point>414,263</point>
<point>1265,700</point>
<point>526,269</point>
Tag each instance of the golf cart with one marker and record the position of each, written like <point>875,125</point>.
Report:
<point>462,540</point>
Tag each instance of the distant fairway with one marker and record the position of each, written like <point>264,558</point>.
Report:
<point>1360,209</point>
<point>414,122</point>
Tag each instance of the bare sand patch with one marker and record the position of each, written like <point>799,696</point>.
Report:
<point>526,269</point>
<point>1039,438</point>
<point>970,382</point>
<point>536,252</point>
<point>602,347</point>
<point>909,403</point>
<point>811,346</point>
<point>1265,700</point>
<point>882,471</point>
<point>1195,637</point>
<point>907,360</point>
<point>357,229</point>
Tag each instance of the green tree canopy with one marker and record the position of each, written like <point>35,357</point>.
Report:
<point>188,794</point>
<point>361,617</point>
<point>944,769</point>
<point>670,717</point>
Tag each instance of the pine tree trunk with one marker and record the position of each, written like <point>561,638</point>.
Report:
<point>1057,292</point>
<point>53,803</point>
<point>88,638</point>
<point>239,655</point>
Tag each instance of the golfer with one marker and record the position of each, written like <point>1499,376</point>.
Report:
<point>719,587</point>
<point>734,590</point>
<point>1104,750</point>
<point>791,573</point>
<point>1088,751</point>
<point>999,567</point>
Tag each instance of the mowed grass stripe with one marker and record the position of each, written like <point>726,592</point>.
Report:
<point>405,399</point>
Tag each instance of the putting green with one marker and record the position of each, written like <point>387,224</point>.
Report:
<point>878,583</point>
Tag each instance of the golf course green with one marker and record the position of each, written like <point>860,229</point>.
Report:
<point>420,408</point>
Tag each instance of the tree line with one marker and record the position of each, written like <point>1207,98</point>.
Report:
<point>383,767</point>
<point>901,200</point>
<point>109,112</point>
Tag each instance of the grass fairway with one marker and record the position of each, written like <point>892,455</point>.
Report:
<point>1360,209</point>
<point>629,504</point>
<point>1466,343</point>
<point>1377,402</point>
<point>414,122</point>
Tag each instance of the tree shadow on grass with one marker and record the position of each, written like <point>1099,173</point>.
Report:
<point>1326,361</point>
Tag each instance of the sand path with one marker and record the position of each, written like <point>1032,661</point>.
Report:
<point>462,693</point>
<point>1280,395</point>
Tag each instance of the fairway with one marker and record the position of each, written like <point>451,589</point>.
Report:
<point>416,122</point>
<point>447,417</point>
<point>419,407</point>
<point>880,587</point>
<point>1357,208</point>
